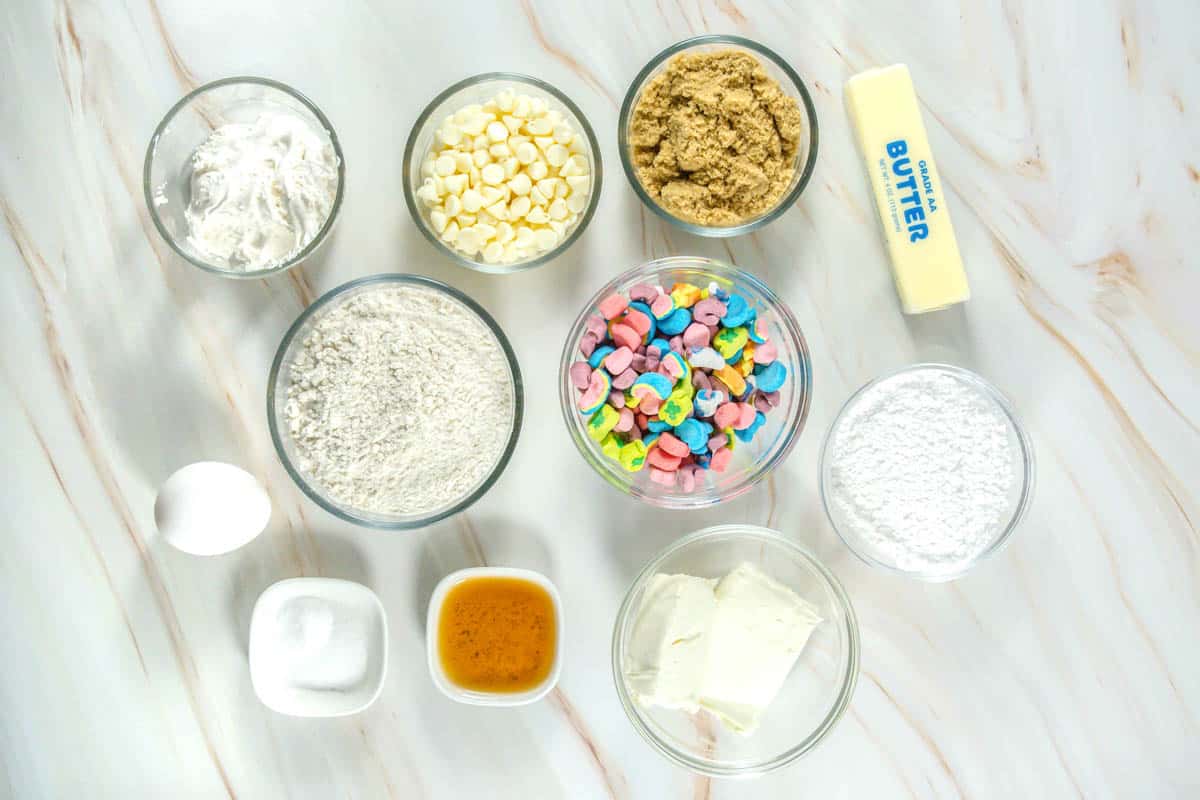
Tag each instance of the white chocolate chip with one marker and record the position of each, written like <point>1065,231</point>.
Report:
<point>524,236</point>
<point>451,232</point>
<point>496,131</point>
<point>538,170</point>
<point>546,238</point>
<point>504,100</point>
<point>484,231</point>
<point>563,134</point>
<point>576,203</point>
<point>472,201</point>
<point>519,207</point>
<point>557,155</point>
<point>538,197</point>
<point>493,174</point>
<point>537,107</point>
<point>480,158</point>
<point>558,210</point>
<point>499,150</point>
<point>526,153</point>
<point>537,216</point>
<point>453,205</point>
<point>498,210</point>
<point>493,252</point>
<point>520,184</point>
<point>505,233</point>
<point>546,187</point>
<point>444,165</point>
<point>438,219</point>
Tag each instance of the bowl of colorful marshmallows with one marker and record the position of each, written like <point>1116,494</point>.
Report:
<point>685,381</point>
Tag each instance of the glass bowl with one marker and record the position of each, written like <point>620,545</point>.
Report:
<point>277,383</point>
<point>816,693</point>
<point>752,461</point>
<point>1020,495</point>
<point>166,175</point>
<point>777,68</point>
<point>478,89</point>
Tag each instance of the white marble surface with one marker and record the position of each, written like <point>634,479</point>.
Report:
<point>1068,666</point>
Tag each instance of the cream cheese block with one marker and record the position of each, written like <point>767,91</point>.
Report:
<point>909,193</point>
<point>668,648</point>
<point>757,633</point>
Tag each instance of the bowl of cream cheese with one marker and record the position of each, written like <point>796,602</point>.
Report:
<point>244,177</point>
<point>735,651</point>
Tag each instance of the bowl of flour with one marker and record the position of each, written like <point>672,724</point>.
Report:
<point>394,401</point>
<point>926,471</point>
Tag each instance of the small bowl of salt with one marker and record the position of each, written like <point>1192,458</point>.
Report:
<point>318,647</point>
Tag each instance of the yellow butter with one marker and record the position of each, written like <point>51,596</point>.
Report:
<point>909,193</point>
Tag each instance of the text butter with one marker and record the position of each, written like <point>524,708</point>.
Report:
<point>908,191</point>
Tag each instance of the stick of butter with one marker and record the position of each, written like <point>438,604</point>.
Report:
<point>908,191</point>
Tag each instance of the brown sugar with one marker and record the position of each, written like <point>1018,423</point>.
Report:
<point>715,138</point>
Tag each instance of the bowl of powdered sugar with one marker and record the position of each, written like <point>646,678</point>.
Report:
<point>926,471</point>
<point>394,401</point>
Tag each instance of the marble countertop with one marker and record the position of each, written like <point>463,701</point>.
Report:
<point>1069,665</point>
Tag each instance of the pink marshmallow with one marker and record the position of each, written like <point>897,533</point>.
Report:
<point>762,404</point>
<point>657,457</point>
<point>581,374</point>
<point>649,405</point>
<point>611,306</point>
<point>587,345</point>
<point>625,336</point>
<point>625,379</point>
<point>687,479</point>
<point>662,305</point>
<point>661,477</point>
<point>720,459</point>
<point>639,363</point>
<point>773,398</point>
<point>625,422</point>
<point>643,292</point>
<point>696,336</point>
<point>727,414</point>
<point>677,345</point>
<point>616,399</point>
<point>765,353</point>
<point>717,441</point>
<point>595,324</point>
<point>746,414</point>
<point>708,311</point>
<point>618,360</point>
<point>673,446</point>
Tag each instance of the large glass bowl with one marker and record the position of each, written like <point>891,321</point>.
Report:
<point>752,461</point>
<point>816,693</point>
<point>777,68</point>
<point>279,378</point>
<point>478,89</point>
<point>1020,496</point>
<point>166,176</point>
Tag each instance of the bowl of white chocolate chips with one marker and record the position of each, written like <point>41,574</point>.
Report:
<point>502,172</point>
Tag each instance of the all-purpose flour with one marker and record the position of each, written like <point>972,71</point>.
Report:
<point>400,401</point>
<point>922,471</point>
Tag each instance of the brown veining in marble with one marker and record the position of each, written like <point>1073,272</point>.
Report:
<point>921,733</point>
<point>186,78</point>
<point>562,55</point>
<point>93,449</point>
<point>1129,47</point>
<point>730,9</point>
<point>1193,173</point>
<point>615,784</point>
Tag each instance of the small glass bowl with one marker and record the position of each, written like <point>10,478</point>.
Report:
<point>478,89</point>
<point>816,693</point>
<point>777,68</point>
<point>1019,498</point>
<point>752,461</point>
<point>277,383</point>
<point>166,175</point>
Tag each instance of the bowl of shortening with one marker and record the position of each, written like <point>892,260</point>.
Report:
<point>244,177</point>
<point>718,135</point>
<point>735,651</point>
<point>394,401</point>
<point>926,471</point>
<point>685,381</point>
<point>502,172</point>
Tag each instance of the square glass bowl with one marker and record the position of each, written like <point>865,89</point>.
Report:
<point>433,620</point>
<point>777,68</point>
<point>478,89</point>
<point>166,176</point>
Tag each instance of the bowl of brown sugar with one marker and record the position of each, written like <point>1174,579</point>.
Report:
<point>718,135</point>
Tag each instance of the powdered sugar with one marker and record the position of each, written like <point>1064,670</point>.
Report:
<point>400,401</point>
<point>922,469</point>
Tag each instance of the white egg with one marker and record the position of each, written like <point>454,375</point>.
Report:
<point>209,508</point>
